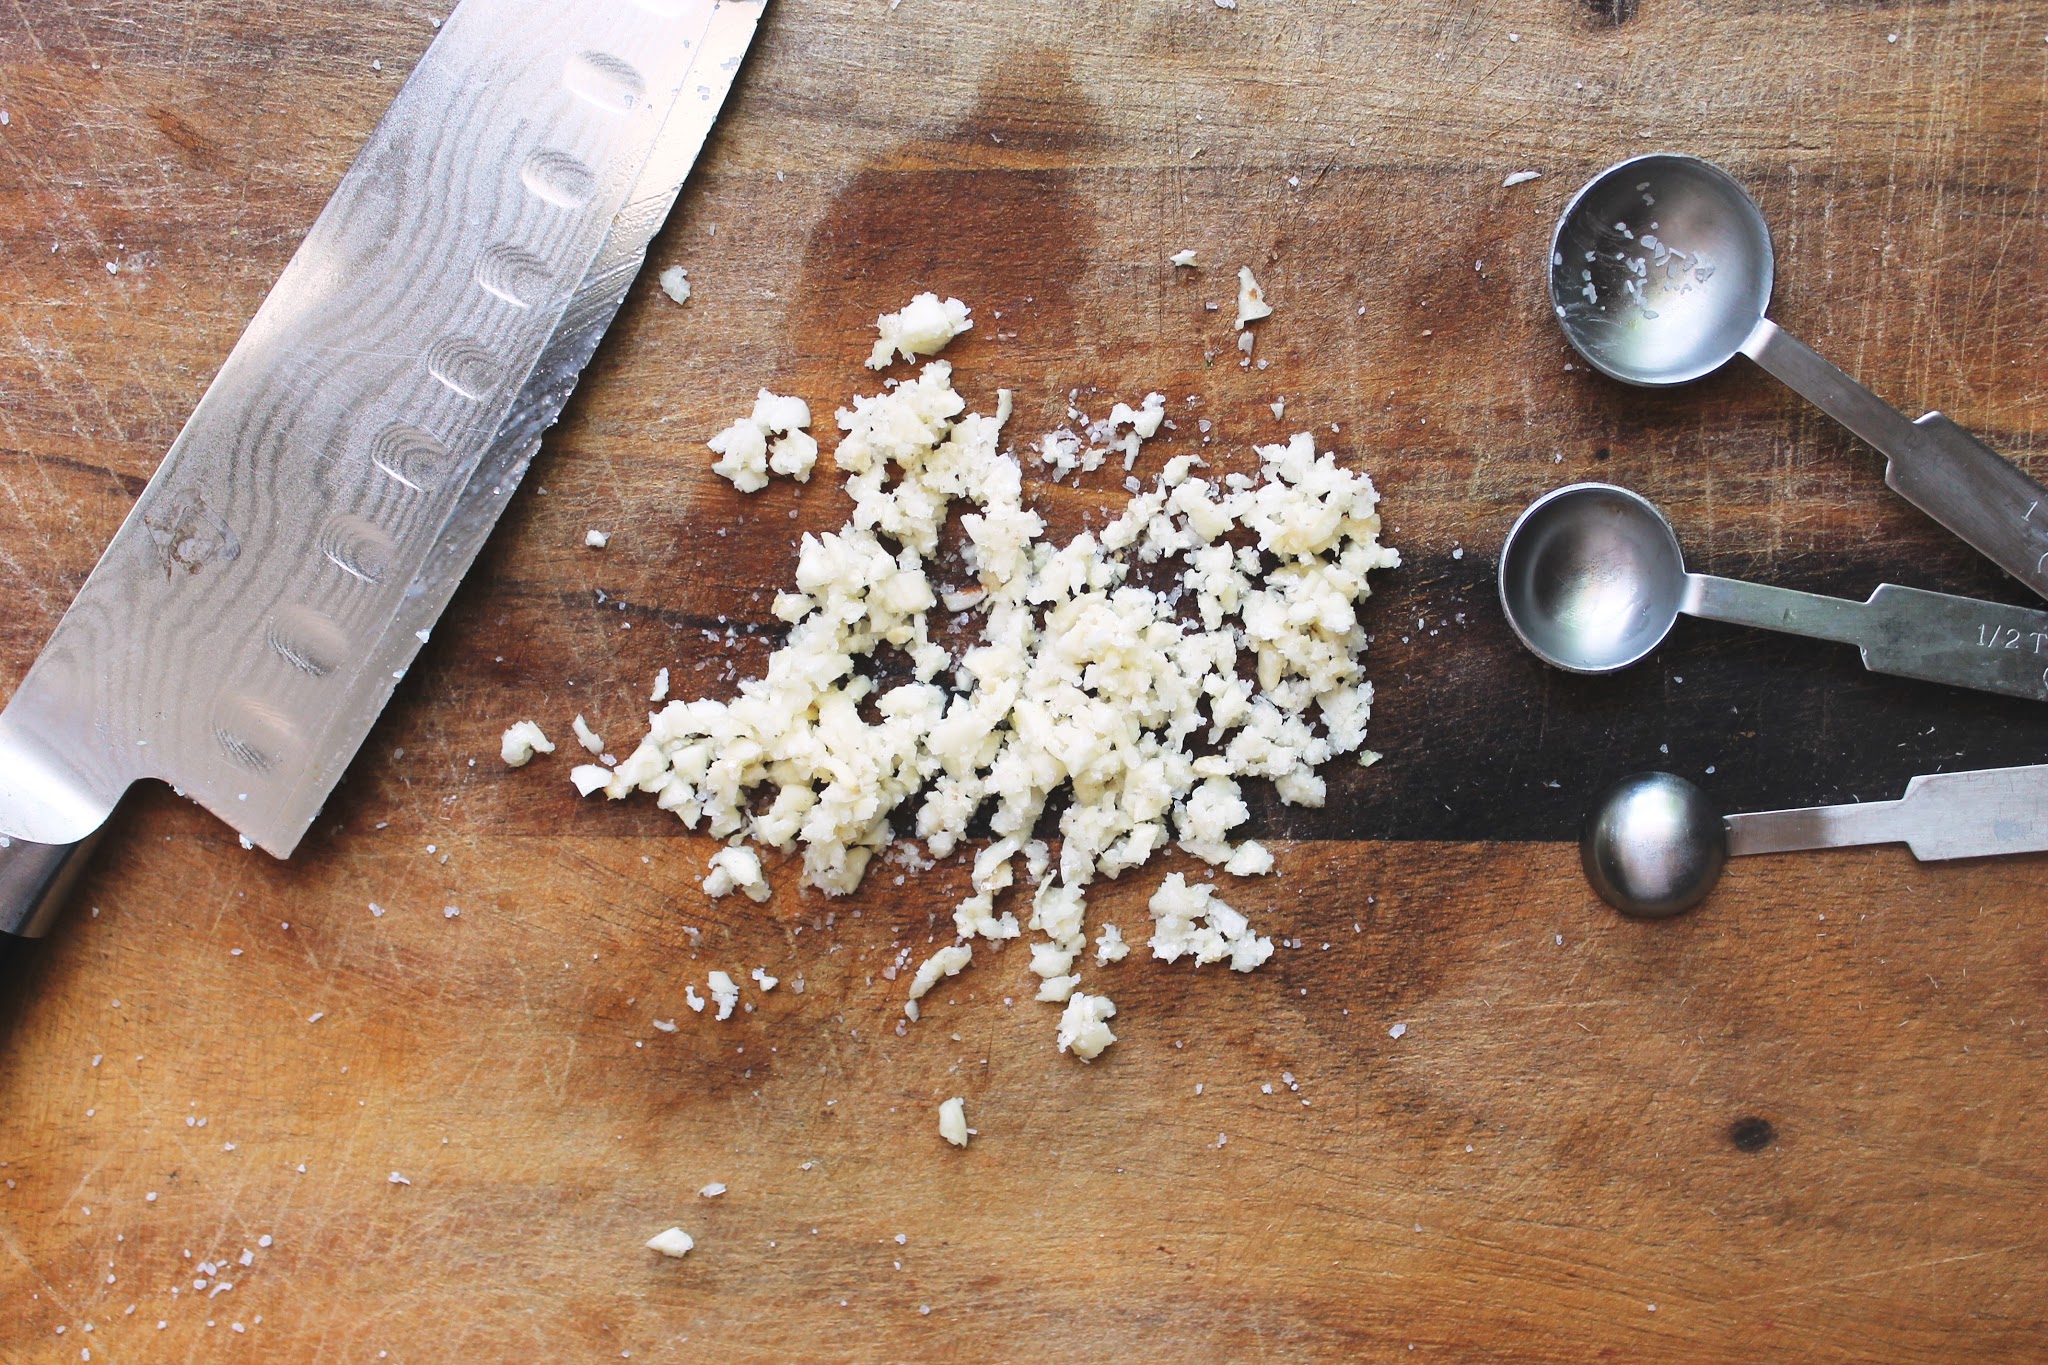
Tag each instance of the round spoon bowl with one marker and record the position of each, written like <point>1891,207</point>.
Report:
<point>1660,268</point>
<point>1653,845</point>
<point>1591,578</point>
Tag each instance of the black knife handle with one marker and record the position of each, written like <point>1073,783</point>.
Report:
<point>34,881</point>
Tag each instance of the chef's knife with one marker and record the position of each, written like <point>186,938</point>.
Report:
<point>273,582</point>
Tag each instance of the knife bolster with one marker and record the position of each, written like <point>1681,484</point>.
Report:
<point>35,880</point>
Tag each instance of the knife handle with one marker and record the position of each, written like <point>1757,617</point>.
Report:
<point>34,881</point>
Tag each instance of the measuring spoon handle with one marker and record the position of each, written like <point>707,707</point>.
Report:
<point>1933,463</point>
<point>1977,814</point>
<point>1906,632</point>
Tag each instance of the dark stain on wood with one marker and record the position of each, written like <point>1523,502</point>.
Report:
<point>1752,1134</point>
<point>201,151</point>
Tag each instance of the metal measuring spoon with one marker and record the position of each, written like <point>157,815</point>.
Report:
<point>1592,579</point>
<point>1660,271</point>
<point>1654,845</point>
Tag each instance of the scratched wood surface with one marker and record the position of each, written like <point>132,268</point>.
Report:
<point>1802,1123</point>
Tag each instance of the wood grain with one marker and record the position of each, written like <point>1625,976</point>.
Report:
<point>1802,1123</point>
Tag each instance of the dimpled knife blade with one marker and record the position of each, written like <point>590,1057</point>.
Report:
<point>265,595</point>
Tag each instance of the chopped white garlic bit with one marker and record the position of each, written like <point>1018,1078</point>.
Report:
<point>1083,1031</point>
<point>947,961</point>
<point>1110,946</point>
<point>1123,432</point>
<point>1251,860</point>
<point>675,282</point>
<point>586,736</point>
<point>1193,920</point>
<point>773,437</point>
<point>953,1121</point>
<point>521,742</point>
<point>660,686</point>
<point>923,327</point>
<point>590,777</point>
<point>1183,259</point>
<point>725,991</point>
<point>1520,178</point>
<point>1146,705</point>
<point>737,869</point>
<point>1251,300</point>
<point>597,540</point>
<point>766,982</point>
<point>675,1242</point>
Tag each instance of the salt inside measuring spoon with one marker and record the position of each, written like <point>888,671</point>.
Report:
<point>1660,273</point>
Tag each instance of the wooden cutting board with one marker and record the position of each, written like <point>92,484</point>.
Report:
<point>1804,1122</point>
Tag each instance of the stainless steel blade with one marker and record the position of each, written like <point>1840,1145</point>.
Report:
<point>253,614</point>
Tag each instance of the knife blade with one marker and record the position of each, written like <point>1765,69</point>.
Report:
<point>264,597</point>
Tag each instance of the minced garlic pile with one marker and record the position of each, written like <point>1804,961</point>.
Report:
<point>1148,705</point>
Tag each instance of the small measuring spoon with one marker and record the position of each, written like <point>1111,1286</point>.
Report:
<point>1660,271</point>
<point>1654,845</point>
<point>1592,580</point>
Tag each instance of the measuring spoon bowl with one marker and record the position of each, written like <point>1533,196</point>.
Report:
<point>1591,578</point>
<point>1660,268</point>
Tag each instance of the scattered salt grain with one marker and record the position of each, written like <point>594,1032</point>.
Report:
<point>597,540</point>
<point>1397,1030</point>
<point>1520,178</point>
